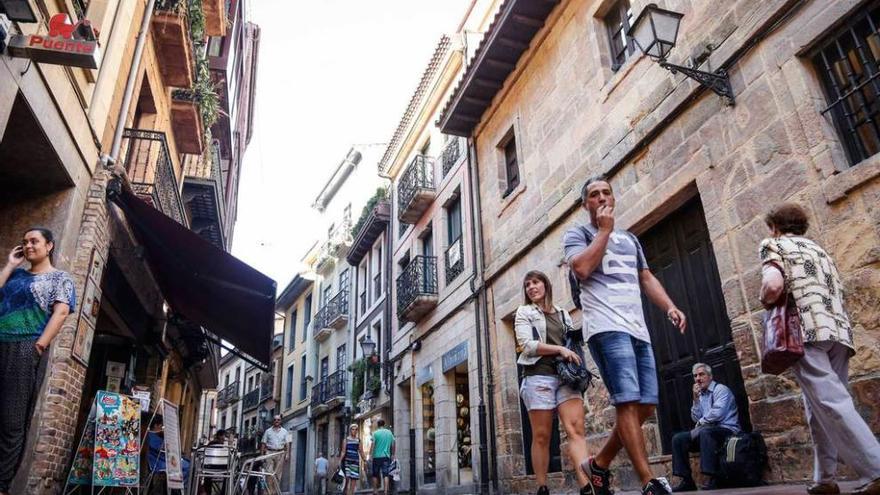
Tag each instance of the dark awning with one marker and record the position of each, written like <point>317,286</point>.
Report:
<point>202,283</point>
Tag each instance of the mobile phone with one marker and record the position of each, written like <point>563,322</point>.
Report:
<point>19,254</point>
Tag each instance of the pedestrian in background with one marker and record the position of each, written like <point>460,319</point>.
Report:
<point>540,328</point>
<point>321,467</point>
<point>33,305</point>
<point>276,439</point>
<point>350,455</point>
<point>381,452</point>
<point>792,263</point>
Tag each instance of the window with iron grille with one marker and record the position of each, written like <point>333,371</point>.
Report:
<point>847,61</point>
<point>511,165</point>
<point>617,21</point>
<point>81,7</point>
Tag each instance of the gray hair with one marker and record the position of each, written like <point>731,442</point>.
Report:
<point>704,366</point>
<point>592,180</point>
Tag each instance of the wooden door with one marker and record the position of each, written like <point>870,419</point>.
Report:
<point>680,255</point>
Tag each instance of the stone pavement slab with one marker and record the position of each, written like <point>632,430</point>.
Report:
<point>801,489</point>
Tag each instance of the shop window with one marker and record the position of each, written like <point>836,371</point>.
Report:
<point>847,62</point>
<point>429,434</point>
<point>617,22</point>
<point>464,439</point>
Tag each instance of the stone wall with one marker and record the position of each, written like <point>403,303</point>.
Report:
<point>664,142</point>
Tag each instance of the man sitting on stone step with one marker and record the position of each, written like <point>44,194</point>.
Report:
<point>714,412</point>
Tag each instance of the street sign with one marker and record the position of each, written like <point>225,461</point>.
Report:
<point>65,44</point>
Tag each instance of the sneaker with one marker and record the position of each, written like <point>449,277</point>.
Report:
<point>543,490</point>
<point>587,490</point>
<point>600,479</point>
<point>685,485</point>
<point>823,489</point>
<point>657,486</point>
<point>872,488</point>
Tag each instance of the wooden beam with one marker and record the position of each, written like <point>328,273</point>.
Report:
<point>527,21</point>
<point>500,64</point>
<point>518,45</point>
<point>488,83</point>
<point>468,118</point>
<point>475,101</point>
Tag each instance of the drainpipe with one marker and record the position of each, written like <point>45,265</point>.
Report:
<point>477,289</point>
<point>109,160</point>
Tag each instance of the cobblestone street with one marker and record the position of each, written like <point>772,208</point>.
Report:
<point>795,489</point>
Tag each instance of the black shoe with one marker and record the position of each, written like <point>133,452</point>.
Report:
<point>657,486</point>
<point>587,490</point>
<point>710,484</point>
<point>543,490</point>
<point>600,479</point>
<point>685,485</point>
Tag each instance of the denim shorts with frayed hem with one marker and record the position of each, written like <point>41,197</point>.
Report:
<point>545,393</point>
<point>627,367</point>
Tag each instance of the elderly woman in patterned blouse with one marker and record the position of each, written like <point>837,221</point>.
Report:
<point>796,264</point>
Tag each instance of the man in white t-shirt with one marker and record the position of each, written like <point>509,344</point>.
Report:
<point>321,468</point>
<point>612,273</point>
<point>276,439</point>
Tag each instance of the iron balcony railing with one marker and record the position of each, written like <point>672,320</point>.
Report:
<point>330,388</point>
<point>251,399</point>
<point>418,279</point>
<point>147,161</point>
<point>454,260</point>
<point>228,394</point>
<point>335,308</point>
<point>450,154</point>
<point>419,175</point>
<point>258,395</point>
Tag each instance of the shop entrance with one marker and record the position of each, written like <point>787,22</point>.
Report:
<point>299,480</point>
<point>463,437</point>
<point>680,255</point>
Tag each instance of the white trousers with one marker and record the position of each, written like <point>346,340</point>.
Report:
<point>838,431</point>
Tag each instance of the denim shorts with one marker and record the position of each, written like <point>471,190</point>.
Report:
<point>545,393</point>
<point>627,367</point>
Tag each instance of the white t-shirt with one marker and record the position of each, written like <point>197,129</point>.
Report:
<point>611,297</point>
<point>276,438</point>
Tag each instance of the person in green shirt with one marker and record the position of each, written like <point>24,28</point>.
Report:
<point>381,453</point>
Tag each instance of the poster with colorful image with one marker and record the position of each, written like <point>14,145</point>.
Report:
<point>81,470</point>
<point>117,440</point>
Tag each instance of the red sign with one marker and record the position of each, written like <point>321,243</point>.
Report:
<point>66,44</point>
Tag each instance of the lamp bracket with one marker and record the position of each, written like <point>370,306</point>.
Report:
<point>717,81</point>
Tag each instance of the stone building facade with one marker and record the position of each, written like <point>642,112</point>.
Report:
<point>435,346</point>
<point>294,398</point>
<point>56,124</point>
<point>693,178</point>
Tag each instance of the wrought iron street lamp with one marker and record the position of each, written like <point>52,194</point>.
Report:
<point>368,346</point>
<point>655,32</point>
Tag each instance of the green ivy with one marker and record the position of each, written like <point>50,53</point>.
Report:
<point>381,193</point>
<point>357,368</point>
<point>203,92</point>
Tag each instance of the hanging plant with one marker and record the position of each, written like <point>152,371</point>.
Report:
<point>375,384</point>
<point>358,376</point>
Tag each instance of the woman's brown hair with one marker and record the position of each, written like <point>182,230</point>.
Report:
<point>548,287</point>
<point>788,218</point>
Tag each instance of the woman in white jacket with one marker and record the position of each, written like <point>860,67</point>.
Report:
<point>540,336</point>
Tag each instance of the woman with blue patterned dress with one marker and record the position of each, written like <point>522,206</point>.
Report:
<point>350,455</point>
<point>33,305</point>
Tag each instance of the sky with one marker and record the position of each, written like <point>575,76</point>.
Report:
<point>332,73</point>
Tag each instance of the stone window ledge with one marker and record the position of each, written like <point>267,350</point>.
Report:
<point>511,198</point>
<point>837,186</point>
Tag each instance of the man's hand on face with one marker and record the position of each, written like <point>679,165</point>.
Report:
<point>697,390</point>
<point>605,218</point>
